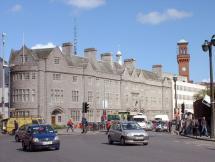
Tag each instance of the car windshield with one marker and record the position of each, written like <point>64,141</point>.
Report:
<point>130,126</point>
<point>139,119</point>
<point>42,129</point>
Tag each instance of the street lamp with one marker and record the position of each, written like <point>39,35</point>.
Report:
<point>176,104</point>
<point>207,46</point>
<point>3,76</point>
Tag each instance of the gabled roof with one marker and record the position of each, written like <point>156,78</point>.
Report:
<point>42,53</point>
<point>99,66</point>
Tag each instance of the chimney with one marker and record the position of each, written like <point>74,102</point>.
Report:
<point>119,57</point>
<point>107,57</point>
<point>130,63</point>
<point>67,49</point>
<point>90,53</point>
<point>157,69</point>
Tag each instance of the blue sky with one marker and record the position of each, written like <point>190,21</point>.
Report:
<point>146,30</point>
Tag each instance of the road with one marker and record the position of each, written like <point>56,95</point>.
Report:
<point>78,147</point>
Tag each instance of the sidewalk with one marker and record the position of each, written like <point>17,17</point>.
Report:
<point>200,138</point>
<point>194,137</point>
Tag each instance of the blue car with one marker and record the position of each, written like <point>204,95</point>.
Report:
<point>38,137</point>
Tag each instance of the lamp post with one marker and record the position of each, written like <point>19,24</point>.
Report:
<point>207,46</point>
<point>175,109</point>
<point>3,76</point>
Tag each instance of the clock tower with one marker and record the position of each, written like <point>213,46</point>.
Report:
<point>183,59</point>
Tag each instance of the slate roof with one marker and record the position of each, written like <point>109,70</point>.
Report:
<point>98,65</point>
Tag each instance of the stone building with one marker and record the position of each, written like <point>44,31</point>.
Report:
<point>53,84</point>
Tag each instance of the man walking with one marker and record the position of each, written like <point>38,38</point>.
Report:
<point>70,125</point>
<point>204,127</point>
<point>84,125</point>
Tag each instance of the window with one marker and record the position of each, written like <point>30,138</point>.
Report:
<point>33,93</point>
<point>24,58</point>
<point>33,75</point>
<point>56,76</point>
<point>56,60</point>
<point>59,119</point>
<point>56,96</point>
<point>74,96</point>
<point>90,96</point>
<point>76,115</point>
<point>26,76</point>
<point>74,78</point>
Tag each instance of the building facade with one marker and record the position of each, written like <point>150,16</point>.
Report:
<point>53,84</point>
<point>4,89</point>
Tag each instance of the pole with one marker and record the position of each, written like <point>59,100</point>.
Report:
<point>175,95</point>
<point>211,93</point>
<point>3,76</point>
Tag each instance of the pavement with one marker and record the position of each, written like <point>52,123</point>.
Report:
<point>201,138</point>
<point>205,138</point>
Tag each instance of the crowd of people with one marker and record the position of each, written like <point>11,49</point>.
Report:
<point>192,126</point>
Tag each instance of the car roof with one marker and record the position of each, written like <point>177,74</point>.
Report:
<point>38,125</point>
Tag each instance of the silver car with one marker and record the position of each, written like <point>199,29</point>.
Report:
<point>128,132</point>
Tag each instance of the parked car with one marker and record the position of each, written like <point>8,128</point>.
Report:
<point>40,136</point>
<point>19,133</point>
<point>149,126</point>
<point>128,132</point>
<point>161,126</point>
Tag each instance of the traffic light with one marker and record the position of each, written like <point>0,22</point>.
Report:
<point>182,108</point>
<point>85,107</point>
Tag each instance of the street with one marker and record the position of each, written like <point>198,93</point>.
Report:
<point>92,147</point>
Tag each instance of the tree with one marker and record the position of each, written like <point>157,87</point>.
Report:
<point>202,94</point>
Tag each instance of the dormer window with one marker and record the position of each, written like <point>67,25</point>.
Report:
<point>56,60</point>
<point>24,58</point>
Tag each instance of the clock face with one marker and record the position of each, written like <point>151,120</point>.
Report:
<point>183,68</point>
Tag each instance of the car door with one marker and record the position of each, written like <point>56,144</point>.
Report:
<point>27,135</point>
<point>20,132</point>
<point>118,132</point>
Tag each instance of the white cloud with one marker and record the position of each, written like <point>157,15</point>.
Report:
<point>40,46</point>
<point>85,4</point>
<point>16,8</point>
<point>155,17</point>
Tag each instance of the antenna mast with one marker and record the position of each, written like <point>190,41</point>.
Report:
<point>75,37</point>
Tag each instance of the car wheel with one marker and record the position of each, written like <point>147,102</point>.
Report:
<point>24,146</point>
<point>30,147</point>
<point>122,141</point>
<point>145,143</point>
<point>57,147</point>
<point>17,138</point>
<point>110,140</point>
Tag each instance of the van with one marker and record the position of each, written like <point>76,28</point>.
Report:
<point>9,123</point>
<point>161,117</point>
<point>141,119</point>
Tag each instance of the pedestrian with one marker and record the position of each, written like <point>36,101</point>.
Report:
<point>16,126</point>
<point>200,126</point>
<point>108,125</point>
<point>204,127</point>
<point>84,123</point>
<point>70,125</point>
<point>196,128</point>
<point>170,126</point>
